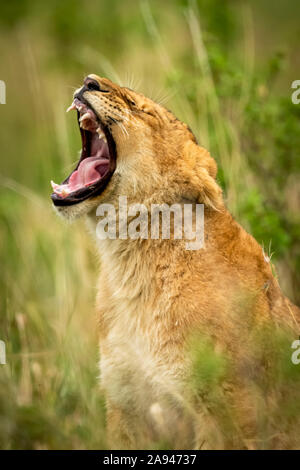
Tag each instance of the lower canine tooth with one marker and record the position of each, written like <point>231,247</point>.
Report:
<point>54,185</point>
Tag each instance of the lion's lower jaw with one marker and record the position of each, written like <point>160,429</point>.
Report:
<point>76,211</point>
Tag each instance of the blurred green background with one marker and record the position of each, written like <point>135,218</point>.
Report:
<point>224,67</point>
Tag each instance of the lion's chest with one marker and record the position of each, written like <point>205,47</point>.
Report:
<point>135,373</point>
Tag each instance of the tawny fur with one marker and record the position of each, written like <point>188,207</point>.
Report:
<point>154,294</point>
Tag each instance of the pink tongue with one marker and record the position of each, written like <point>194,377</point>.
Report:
<point>89,171</point>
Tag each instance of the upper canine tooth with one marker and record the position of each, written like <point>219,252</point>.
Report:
<point>73,106</point>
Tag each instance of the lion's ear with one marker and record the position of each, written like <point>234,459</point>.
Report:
<point>199,172</point>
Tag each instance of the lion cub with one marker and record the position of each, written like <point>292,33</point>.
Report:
<point>157,300</point>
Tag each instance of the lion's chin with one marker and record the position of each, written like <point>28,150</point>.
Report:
<point>76,211</point>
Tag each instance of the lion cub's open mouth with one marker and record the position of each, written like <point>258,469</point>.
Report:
<point>97,160</point>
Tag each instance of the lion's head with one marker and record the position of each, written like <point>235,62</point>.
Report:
<point>135,147</point>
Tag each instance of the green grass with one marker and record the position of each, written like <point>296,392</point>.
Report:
<point>200,60</point>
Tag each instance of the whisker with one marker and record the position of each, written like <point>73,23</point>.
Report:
<point>125,132</point>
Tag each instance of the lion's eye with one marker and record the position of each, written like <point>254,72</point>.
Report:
<point>95,86</point>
